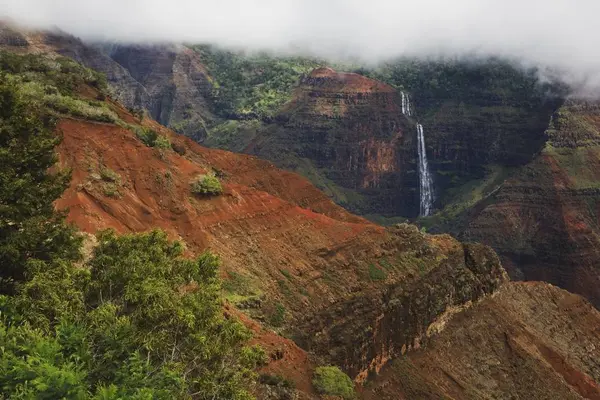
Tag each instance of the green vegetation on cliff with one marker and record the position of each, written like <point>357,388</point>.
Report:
<point>479,116</point>
<point>333,382</point>
<point>134,319</point>
<point>255,85</point>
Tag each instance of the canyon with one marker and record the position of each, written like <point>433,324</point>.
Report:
<point>404,313</point>
<point>293,249</point>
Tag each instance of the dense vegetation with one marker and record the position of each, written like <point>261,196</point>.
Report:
<point>52,84</point>
<point>252,86</point>
<point>332,381</point>
<point>207,185</point>
<point>134,319</point>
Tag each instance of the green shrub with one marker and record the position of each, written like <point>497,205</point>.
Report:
<point>109,175</point>
<point>110,189</point>
<point>376,274</point>
<point>278,317</point>
<point>146,135</point>
<point>207,185</point>
<point>50,97</point>
<point>276,380</point>
<point>332,381</point>
<point>162,142</point>
<point>151,138</point>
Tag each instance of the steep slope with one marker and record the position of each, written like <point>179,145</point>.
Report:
<point>350,293</point>
<point>544,220</point>
<point>168,81</point>
<point>283,240</point>
<point>349,135</point>
<point>530,340</point>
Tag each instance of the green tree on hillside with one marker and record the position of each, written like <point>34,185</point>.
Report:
<point>30,229</point>
<point>135,321</point>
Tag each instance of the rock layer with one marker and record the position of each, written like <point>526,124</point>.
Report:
<point>544,221</point>
<point>530,340</point>
<point>352,131</point>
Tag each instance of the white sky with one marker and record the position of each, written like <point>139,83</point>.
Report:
<point>561,33</point>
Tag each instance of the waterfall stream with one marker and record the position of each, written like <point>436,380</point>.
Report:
<point>425,182</point>
<point>426,196</point>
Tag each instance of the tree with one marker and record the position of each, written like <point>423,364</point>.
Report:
<point>31,230</point>
<point>137,321</point>
<point>332,381</point>
<point>207,185</point>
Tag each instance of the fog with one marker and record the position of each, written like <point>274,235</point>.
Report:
<point>550,33</point>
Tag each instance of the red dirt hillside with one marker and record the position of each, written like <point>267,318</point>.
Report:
<point>351,293</point>
<point>288,252</point>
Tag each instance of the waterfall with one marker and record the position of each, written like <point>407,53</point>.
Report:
<point>425,182</point>
<point>426,187</point>
<point>405,104</point>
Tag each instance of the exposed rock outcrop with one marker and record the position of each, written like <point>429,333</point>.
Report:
<point>365,332</point>
<point>530,340</point>
<point>352,130</point>
<point>544,221</point>
<point>168,81</point>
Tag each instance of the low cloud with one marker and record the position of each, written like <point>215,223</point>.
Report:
<point>559,33</point>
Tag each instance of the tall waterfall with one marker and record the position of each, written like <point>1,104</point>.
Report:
<point>426,193</point>
<point>425,182</point>
<point>406,104</point>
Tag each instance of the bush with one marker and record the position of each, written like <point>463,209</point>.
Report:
<point>332,381</point>
<point>376,274</point>
<point>278,317</point>
<point>162,142</point>
<point>110,189</point>
<point>151,138</point>
<point>276,380</point>
<point>109,175</point>
<point>207,185</point>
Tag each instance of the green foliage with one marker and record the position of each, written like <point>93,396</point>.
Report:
<point>162,142</point>
<point>31,232</point>
<point>385,263</point>
<point>109,175</point>
<point>376,274</point>
<point>151,138</point>
<point>252,85</point>
<point>137,320</point>
<point>51,84</point>
<point>207,185</point>
<point>35,365</point>
<point>233,135</point>
<point>277,319</point>
<point>110,189</point>
<point>332,381</point>
<point>276,380</point>
<point>286,273</point>
<point>63,73</point>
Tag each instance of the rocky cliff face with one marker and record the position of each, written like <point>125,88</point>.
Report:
<point>530,340</point>
<point>176,83</point>
<point>350,292</point>
<point>544,220</point>
<point>352,131</point>
<point>363,333</point>
<point>167,81</point>
<point>394,307</point>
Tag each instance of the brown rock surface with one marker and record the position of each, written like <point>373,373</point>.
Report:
<point>529,341</point>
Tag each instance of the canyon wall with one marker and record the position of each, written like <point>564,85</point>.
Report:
<point>544,220</point>
<point>352,131</point>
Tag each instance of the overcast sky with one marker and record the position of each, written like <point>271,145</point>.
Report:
<point>560,33</point>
